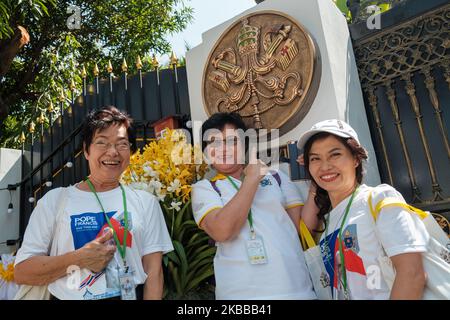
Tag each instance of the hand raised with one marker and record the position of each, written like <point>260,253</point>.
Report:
<point>255,169</point>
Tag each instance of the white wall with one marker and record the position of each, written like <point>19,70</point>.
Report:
<point>339,95</point>
<point>10,173</point>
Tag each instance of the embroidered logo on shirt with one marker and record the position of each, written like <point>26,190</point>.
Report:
<point>350,238</point>
<point>265,182</point>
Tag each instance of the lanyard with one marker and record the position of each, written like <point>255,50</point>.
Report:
<point>122,250</point>
<point>341,253</point>
<point>249,216</point>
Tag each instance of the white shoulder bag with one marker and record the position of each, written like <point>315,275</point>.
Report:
<point>436,260</point>
<point>27,292</point>
<point>313,258</point>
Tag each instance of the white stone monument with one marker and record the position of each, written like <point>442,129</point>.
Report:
<point>339,95</point>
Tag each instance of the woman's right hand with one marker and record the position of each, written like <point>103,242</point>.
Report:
<point>96,255</point>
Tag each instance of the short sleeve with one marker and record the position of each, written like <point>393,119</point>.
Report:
<point>156,236</point>
<point>400,231</point>
<point>38,235</point>
<point>291,195</point>
<point>204,200</point>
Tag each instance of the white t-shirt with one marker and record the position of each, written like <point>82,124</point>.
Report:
<point>398,231</point>
<point>82,222</point>
<point>285,276</point>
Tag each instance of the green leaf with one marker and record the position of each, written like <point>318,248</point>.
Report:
<point>205,273</point>
<point>205,259</point>
<point>183,260</point>
<point>174,257</point>
<point>342,5</point>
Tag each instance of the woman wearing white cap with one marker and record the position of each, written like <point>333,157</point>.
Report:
<point>353,242</point>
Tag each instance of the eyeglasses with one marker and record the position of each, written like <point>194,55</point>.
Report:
<point>121,146</point>
<point>230,141</point>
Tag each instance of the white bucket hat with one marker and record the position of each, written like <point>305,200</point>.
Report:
<point>333,126</point>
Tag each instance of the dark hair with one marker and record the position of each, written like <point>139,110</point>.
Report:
<point>220,120</point>
<point>100,119</point>
<point>322,199</point>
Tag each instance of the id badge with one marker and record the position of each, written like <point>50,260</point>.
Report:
<point>127,287</point>
<point>256,252</point>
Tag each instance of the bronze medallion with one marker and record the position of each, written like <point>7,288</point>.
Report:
<point>266,67</point>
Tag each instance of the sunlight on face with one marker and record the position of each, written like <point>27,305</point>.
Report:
<point>332,165</point>
<point>108,156</point>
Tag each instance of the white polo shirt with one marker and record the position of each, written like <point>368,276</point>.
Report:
<point>364,242</point>
<point>285,276</point>
<point>83,221</point>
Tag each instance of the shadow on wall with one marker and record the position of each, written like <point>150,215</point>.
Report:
<point>10,173</point>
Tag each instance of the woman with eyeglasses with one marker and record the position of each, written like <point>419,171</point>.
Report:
<point>252,213</point>
<point>97,239</point>
<point>356,242</point>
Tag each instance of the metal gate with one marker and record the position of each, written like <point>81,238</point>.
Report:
<point>404,70</point>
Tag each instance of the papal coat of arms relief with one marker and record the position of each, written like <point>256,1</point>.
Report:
<point>266,67</point>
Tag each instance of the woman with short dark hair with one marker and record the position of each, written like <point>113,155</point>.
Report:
<point>252,214</point>
<point>97,239</point>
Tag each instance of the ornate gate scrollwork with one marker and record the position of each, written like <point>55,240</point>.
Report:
<point>405,75</point>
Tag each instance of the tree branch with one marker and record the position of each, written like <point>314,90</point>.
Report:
<point>12,47</point>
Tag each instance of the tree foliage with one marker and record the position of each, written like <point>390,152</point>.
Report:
<point>110,30</point>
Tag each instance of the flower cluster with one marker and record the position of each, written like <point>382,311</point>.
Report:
<point>166,168</point>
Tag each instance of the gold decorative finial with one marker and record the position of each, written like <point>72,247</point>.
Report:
<point>155,62</point>
<point>83,72</point>
<point>138,63</point>
<point>173,59</point>
<point>41,118</point>
<point>31,129</point>
<point>72,85</point>
<point>124,65</point>
<point>61,96</point>
<point>109,67</point>
<point>50,107</point>
<point>96,71</point>
<point>22,138</point>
